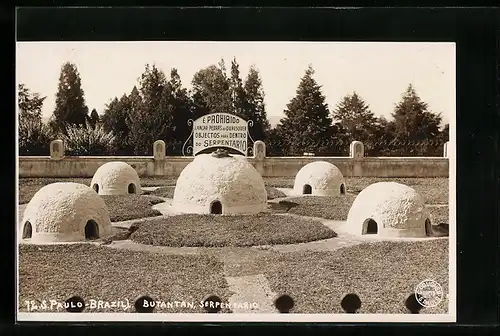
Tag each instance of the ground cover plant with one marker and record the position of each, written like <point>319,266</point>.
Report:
<point>58,272</point>
<point>168,192</point>
<point>126,207</point>
<point>163,191</point>
<point>273,193</point>
<point>316,280</point>
<point>158,181</point>
<point>329,207</point>
<point>337,207</point>
<point>382,274</point>
<point>235,230</point>
<point>29,186</point>
<point>434,190</point>
<point>439,215</point>
<point>440,220</point>
<point>121,207</point>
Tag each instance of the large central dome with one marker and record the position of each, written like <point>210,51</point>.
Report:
<point>220,184</point>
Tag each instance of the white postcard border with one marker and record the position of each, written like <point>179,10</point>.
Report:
<point>301,318</point>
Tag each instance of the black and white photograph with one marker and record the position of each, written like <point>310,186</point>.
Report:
<point>236,181</point>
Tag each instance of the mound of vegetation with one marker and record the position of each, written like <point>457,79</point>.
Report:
<point>233,230</point>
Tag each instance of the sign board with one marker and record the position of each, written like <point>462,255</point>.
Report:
<point>220,130</point>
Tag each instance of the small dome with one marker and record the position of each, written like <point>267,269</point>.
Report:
<point>389,209</point>
<point>65,212</point>
<point>116,178</point>
<point>319,178</point>
<point>220,184</point>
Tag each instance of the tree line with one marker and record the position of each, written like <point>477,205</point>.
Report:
<point>158,107</point>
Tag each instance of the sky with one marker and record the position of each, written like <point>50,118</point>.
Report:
<point>379,72</point>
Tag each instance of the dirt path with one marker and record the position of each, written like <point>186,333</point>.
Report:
<point>252,294</point>
<point>165,207</point>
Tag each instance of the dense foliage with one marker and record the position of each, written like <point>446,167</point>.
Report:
<point>159,107</point>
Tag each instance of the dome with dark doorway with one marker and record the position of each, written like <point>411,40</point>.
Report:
<point>389,209</point>
<point>319,178</point>
<point>116,178</point>
<point>65,212</point>
<point>220,184</point>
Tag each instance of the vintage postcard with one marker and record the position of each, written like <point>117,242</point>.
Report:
<point>236,181</point>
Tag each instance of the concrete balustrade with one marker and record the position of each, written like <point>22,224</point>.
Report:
<point>354,165</point>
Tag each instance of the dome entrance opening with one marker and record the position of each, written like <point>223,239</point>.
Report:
<point>27,230</point>
<point>131,188</point>
<point>428,227</point>
<point>342,189</point>
<point>91,230</point>
<point>307,189</point>
<point>96,187</point>
<point>370,226</point>
<point>216,208</point>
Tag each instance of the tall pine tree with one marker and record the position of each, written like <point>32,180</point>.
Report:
<point>238,95</point>
<point>415,128</point>
<point>182,112</point>
<point>152,120</point>
<point>412,118</point>
<point>115,119</point>
<point>306,126</point>
<point>70,100</point>
<point>355,118</point>
<point>211,91</point>
<point>445,133</point>
<point>255,107</point>
<point>94,117</point>
<point>29,103</point>
<point>135,101</point>
<point>34,135</point>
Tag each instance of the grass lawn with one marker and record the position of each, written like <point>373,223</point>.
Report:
<point>439,215</point>
<point>382,274</point>
<point>29,186</point>
<point>273,193</point>
<point>163,191</point>
<point>337,208</point>
<point>57,272</point>
<point>126,207</point>
<point>328,207</point>
<point>158,181</point>
<point>434,190</point>
<point>121,207</point>
<point>235,230</point>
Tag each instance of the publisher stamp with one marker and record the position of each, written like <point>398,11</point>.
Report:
<point>429,293</point>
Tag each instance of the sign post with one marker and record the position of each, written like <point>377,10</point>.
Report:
<point>219,130</point>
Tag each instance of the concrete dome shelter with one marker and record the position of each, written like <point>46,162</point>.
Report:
<point>319,178</point>
<point>389,209</point>
<point>116,178</point>
<point>65,212</point>
<point>220,185</point>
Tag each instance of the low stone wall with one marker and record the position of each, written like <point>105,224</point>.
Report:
<point>354,165</point>
<point>148,166</point>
